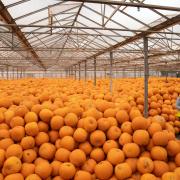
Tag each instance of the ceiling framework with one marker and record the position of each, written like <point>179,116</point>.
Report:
<point>7,18</point>
<point>61,34</point>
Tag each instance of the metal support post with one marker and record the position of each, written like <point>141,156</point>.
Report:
<point>166,76</point>
<point>45,73</point>
<point>12,40</point>
<point>79,71</point>
<point>156,73</point>
<point>94,71</point>
<point>13,72</point>
<point>21,72</point>
<point>105,73</point>
<point>2,73</point>
<point>146,76</point>
<point>110,71</point>
<point>66,73</point>
<point>69,72</point>
<point>135,71</point>
<point>116,73</point>
<point>85,70</point>
<point>123,73</point>
<point>75,71</point>
<point>7,72</point>
<point>17,73</point>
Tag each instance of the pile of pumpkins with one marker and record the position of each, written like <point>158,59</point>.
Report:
<point>64,129</point>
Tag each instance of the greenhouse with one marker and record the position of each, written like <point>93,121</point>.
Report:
<point>90,89</point>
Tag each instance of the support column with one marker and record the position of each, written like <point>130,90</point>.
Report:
<point>166,72</point>
<point>7,72</point>
<point>123,73</point>
<point>135,72</point>
<point>69,72</point>
<point>156,73</point>
<point>72,72</point>
<point>21,72</point>
<point>75,71</point>
<point>17,73</point>
<point>140,72</point>
<point>85,70</point>
<point>13,73</point>
<point>2,73</point>
<point>110,72</point>
<point>116,73</point>
<point>66,73</point>
<point>146,76</point>
<point>79,71</point>
<point>105,73</point>
<point>94,71</point>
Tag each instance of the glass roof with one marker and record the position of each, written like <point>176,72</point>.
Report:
<point>61,33</point>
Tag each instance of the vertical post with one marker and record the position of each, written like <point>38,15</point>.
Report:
<point>110,72</point>
<point>7,72</point>
<point>12,40</point>
<point>79,71</point>
<point>66,73</point>
<point>2,73</point>
<point>166,76</point>
<point>166,72</point>
<point>146,76</point>
<point>105,73</point>
<point>21,72</point>
<point>13,72</point>
<point>85,70</point>
<point>135,71</point>
<point>94,71</point>
<point>156,72</point>
<point>116,73</point>
<point>70,71</point>
<point>17,73</point>
<point>123,73</point>
<point>69,74</point>
<point>75,71</point>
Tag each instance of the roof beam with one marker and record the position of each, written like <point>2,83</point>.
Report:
<point>159,27</point>
<point>8,19</point>
<point>16,3</point>
<point>95,28</point>
<point>75,19</point>
<point>121,3</point>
